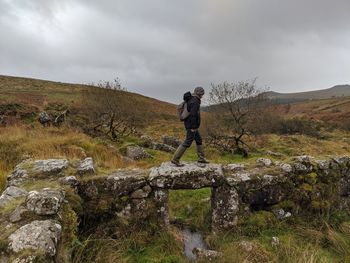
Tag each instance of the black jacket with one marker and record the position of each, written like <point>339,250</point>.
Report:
<point>193,121</point>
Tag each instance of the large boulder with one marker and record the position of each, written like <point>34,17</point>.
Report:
<point>123,182</point>
<point>190,176</point>
<point>40,236</point>
<point>50,166</point>
<point>137,153</point>
<point>10,194</point>
<point>86,166</point>
<point>45,202</point>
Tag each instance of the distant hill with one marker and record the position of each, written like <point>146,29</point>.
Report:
<point>334,92</point>
<point>27,97</point>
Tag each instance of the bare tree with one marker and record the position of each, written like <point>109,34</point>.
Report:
<point>110,111</point>
<point>234,107</point>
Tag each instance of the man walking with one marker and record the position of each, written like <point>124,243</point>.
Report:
<point>192,123</point>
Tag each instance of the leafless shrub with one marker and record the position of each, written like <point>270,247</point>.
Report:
<point>235,107</point>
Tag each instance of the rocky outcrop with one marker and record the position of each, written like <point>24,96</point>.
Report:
<point>86,166</point>
<point>40,236</point>
<point>137,153</point>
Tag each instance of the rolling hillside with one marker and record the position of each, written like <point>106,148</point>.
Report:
<point>24,98</point>
<point>336,91</point>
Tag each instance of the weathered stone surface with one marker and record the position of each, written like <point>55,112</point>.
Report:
<point>45,202</point>
<point>237,178</point>
<point>17,177</point>
<point>285,167</point>
<point>305,159</point>
<point>209,255</point>
<point>17,214</point>
<point>259,190</point>
<point>225,207</point>
<point>50,166</point>
<point>264,161</point>
<point>275,242</point>
<point>172,141</point>
<point>190,176</point>
<point>86,166</point>
<point>301,168</point>
<point>40,236</point>
<point>123,182</point>
<point>322,164</point>
<point>44,118</point>
<point>163,147</point>
<point>233,167</point>
<point>141,193</point>
<point>343,161</point>
<point>280,213</point>
<point>88,189</point>
<point>69,180</point>
<point>10,194</point>
<point>137,153</point>
<point>161,197</point>
<point>147,141</point>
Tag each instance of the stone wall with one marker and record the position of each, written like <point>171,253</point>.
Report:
<point>41,193</point>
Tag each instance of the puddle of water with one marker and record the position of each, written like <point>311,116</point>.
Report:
<point>192,240</point>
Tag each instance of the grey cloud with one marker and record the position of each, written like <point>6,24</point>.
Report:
<point>161,48</point>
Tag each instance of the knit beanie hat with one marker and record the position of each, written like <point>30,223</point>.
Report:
<point>199,91</point>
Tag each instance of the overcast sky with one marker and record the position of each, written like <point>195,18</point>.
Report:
<point>162,48</point>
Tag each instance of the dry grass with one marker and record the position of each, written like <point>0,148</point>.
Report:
<point>20,142</point>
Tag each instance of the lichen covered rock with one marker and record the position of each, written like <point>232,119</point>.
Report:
<point>40,236</point>
<point>123,182</point>
<point>137,153</point>
<point>190,176</point>
<point>45,202</point>
<point>50,166</point>
<point>10,194</point>
<point>86,166</point>
<point>225,207</point>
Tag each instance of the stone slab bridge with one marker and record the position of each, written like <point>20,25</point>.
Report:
<point>44,198</point>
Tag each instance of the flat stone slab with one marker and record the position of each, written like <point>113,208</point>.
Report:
<point>123,182</point>
<point>38,235</point>
<point>190,176</point>
<point>50,165</point>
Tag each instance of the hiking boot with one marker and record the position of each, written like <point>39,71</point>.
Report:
<point>200,153</point>
<point>177,155</point>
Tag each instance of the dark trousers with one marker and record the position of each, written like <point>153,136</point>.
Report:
<point>192,136</point>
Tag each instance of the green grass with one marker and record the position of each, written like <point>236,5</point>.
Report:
<point>191,208</point>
